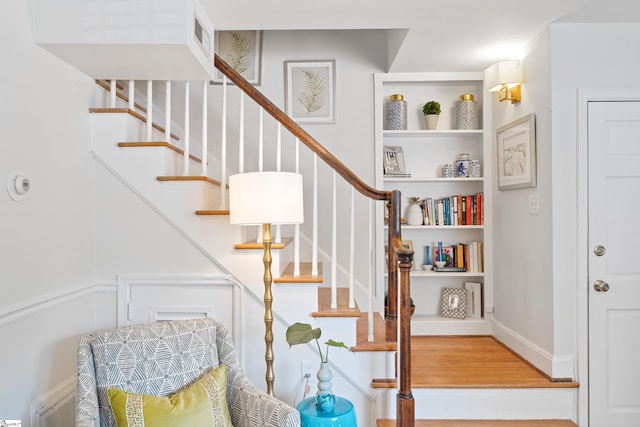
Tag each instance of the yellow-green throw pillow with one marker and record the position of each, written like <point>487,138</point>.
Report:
<point>201,404</point>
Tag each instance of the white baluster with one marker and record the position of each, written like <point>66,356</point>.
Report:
<point>334,246</point>
<point>241,135</point>
<point>205,149</point>
<point>187,136</point>
<point>260,139</point>
<point>296,231</point>
<point>352,250</point>
<point>167,112</point>
<point>223,147</point>
<point>278,236</point>
<point>112,93</point>
<point>314,214</point>
<point>370,336</point>
<point>260,156</point>
<point>132,95</point>
<point>149,109</point>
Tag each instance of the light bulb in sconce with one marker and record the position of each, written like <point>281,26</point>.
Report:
<point>505,77</point>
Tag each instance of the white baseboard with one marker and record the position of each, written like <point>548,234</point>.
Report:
<point>555,366</point>
<point>56,407</point>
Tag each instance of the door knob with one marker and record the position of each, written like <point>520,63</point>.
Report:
<point>600,286</point>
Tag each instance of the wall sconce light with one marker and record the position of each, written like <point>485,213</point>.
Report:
<point>505,78</point>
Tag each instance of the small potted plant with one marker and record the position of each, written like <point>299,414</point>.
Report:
<point>431,111</point>
<point>302,333</point>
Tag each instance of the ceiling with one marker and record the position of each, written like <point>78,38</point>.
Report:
<point>426,35</point>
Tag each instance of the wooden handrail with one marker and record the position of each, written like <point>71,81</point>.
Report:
<point>300,133</point>
<point>400,259</point>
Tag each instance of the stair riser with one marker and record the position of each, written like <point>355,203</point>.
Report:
<point>489,403</point>
<point>121,127</point>
<point>198,194</point>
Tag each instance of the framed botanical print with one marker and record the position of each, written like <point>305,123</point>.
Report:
<point>242,50</point>
<point>310,91</point>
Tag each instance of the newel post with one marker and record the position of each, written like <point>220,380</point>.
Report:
<point>391,317</point>
<point>405,402</point>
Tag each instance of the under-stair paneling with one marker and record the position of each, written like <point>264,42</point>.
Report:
<point>133,239</point>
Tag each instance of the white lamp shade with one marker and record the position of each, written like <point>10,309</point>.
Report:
<point>503,73</point>
<point>266,198</point>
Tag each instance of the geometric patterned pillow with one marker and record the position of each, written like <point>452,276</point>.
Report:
<point>202,404</point>
<point>155,359</point>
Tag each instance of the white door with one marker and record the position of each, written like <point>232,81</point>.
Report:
<point>614,264</point>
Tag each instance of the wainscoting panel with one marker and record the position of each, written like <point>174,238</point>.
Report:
<point>152,299</point>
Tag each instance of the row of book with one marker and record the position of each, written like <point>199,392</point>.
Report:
<point>462,257</point>
<point>454,210</point>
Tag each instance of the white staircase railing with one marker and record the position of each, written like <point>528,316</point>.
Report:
<point>349,264</point>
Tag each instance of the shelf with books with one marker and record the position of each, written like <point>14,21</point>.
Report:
<point>417,160</point>
<point>431,273</point>
<point>440,227</point>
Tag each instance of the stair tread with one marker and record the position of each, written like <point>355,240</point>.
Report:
<point>481,423</point>
<point>190,178</point>
<point>253,244</point>
<point>478,362</point>
<point>379,342</point>
<point>343,310</point>
<point>212,212</point>
<point>305,274</point>
<point>131,113</point>
<point>155,144</point>
<point>106,86</point>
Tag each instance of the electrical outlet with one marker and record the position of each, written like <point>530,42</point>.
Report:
<point>306,367</point>
<point>534,204</point>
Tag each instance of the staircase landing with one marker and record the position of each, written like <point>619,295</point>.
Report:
<point>482,373</point>
<point>470,362</point>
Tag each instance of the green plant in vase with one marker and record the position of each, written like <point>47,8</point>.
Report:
<point>302,333</point>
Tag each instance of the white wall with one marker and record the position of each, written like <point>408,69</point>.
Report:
<point>522,260</point>
<point>47,240</point>
<point>536,294</point>
<point>583,56</point>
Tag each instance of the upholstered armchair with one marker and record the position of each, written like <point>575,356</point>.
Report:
<point>161,359</point>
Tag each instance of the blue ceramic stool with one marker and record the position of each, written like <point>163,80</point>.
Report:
<point>343,414</point>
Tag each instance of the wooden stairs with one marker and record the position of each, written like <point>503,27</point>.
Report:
<point>437,362</point>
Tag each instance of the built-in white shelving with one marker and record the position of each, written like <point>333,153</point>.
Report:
<point>425,152</point>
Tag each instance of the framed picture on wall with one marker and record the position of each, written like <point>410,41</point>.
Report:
<point>517,154</point>
<point>242,50</point>
<point>310,91</point>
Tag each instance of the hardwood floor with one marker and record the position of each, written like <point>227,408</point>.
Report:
<point>472,362</point>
